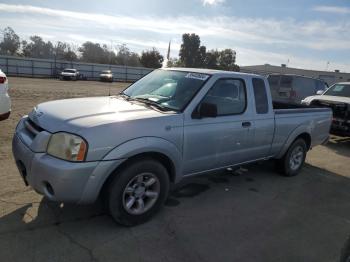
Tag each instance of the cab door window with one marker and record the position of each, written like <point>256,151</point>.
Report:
<point>229,96</point>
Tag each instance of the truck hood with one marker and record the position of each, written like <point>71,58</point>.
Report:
<point>72,115</point>
<point>339,99</point>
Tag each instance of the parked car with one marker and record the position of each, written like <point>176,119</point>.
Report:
<point>106,76</point>
<point>69,74</point>
<point>337,97</point>
<point>294,88</point>
<point>5,101</point>
<point>129,148</point>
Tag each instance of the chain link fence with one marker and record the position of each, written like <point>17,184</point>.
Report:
<point>51,68</point>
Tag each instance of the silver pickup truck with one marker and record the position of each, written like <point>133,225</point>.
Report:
<point>171,124</point>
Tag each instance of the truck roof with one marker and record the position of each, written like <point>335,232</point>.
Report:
<point>209,71</point>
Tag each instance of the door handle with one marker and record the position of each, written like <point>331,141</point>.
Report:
<point>246,124</point>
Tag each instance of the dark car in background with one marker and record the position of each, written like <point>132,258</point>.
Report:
<point>106,76</point>
<point>287,88</point>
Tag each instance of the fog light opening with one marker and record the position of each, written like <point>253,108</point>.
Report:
<point>49,189</point>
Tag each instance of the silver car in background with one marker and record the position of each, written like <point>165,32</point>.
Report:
<point>106,76</point>
<point>70,74</point>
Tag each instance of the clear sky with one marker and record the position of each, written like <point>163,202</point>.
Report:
<point>306,33</point>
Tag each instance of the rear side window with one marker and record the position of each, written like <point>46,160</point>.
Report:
<point>261,103</point>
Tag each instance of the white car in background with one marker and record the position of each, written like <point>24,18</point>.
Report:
<point>70,74</point>
<point>5,101</point>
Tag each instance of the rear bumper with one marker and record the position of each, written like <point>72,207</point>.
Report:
<point>61,180</point>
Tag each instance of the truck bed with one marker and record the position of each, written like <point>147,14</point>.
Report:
<point>291,118</point>
<point>288,108</point>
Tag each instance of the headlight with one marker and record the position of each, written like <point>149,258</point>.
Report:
<point>67,146</point>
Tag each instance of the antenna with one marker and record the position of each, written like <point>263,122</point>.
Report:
<point>327,65</point>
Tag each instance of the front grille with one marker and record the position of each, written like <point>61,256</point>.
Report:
<point>32,128</point>
<point>340,110</point>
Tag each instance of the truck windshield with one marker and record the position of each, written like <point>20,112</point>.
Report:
<point>169,89</point>
<point>339,90</point>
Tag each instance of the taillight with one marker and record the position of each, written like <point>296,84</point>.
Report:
<point>2,79</point>
<point>293,93</point>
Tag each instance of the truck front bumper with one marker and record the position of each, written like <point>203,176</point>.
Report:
<point>60,180</point>
<point>340,127</point>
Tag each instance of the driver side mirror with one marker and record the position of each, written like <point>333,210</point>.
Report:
<point>205,110</point>
<point>319,92</point>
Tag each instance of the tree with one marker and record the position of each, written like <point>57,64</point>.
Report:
<point>70,55</point>
<point>93,53</point>
<point>174,62</point>
<point>212,59</point>
<point>151,58</point>
<point>11,42</point>
<point>191,52</point>
<point>37,48</point>
<point>227,59</point>
<point>125,57</point>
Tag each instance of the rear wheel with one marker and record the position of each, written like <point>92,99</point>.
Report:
<point>138,192</point>
<point>294,158</point>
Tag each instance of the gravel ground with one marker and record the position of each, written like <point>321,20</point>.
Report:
<point>250,215</point>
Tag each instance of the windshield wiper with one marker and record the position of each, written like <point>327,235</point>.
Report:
<point>152,103</point>
<point>125,96</point>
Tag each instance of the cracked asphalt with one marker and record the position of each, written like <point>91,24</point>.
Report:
<point>252,214</point>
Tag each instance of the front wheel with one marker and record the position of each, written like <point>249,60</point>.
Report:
<point>138,192</point>
<point>294,158</point>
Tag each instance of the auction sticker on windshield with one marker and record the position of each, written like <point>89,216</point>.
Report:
<point>198,76</point>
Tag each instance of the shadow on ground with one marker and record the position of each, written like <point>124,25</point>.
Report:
<point>252,214</point>
<point>340,145</point>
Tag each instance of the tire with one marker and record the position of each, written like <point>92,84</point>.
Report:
<point>293,160</point>
<point>133,183</point>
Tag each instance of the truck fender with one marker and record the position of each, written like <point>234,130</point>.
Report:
<point>121,153</point>
<point>302,129</point>
<point>148,145</point>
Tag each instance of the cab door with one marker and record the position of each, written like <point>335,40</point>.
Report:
<point>223,140</point>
